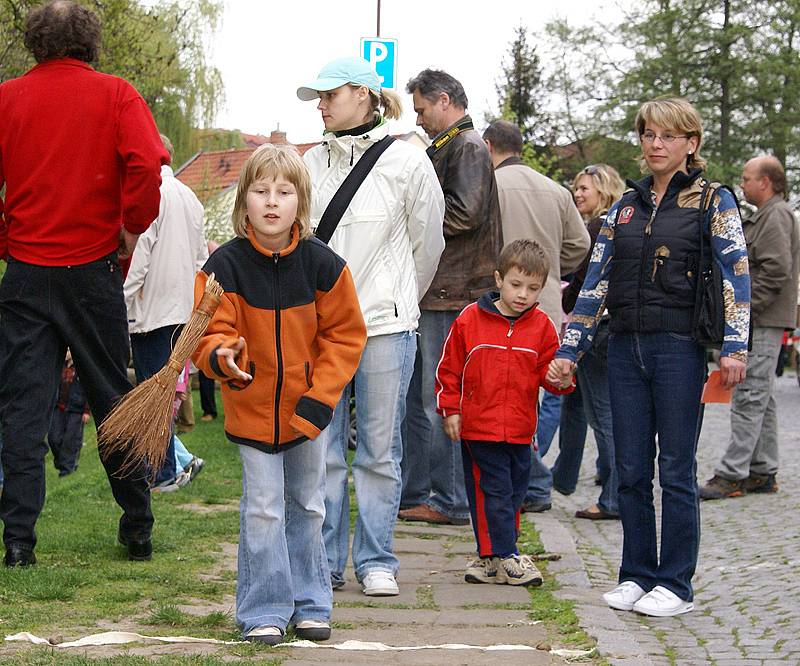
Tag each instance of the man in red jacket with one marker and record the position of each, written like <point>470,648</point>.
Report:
<point>80,157</point>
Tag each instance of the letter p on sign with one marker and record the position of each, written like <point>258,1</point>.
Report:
<point>382,55</point>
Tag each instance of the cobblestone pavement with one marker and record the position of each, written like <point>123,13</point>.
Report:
<point>747,586</point>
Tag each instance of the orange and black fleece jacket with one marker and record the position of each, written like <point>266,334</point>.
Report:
<point>304,333</point>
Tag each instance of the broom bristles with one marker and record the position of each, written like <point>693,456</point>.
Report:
<point>139,426</point>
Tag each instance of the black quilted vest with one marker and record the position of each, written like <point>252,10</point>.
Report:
<point>656,251</point>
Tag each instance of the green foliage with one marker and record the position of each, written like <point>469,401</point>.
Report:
<point>520,88</point>
<point>737,61</point>
<point>160,48</point>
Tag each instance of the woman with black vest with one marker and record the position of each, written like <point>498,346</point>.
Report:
<point>644,270</point>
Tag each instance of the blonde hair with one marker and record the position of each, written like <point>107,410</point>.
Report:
<point>672,113</point>
<point>606,181</point>
<point>270,162</point>
<point>387,99</point>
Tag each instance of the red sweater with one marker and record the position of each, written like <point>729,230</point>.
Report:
<point>491,370</point>
<point>80,156</point>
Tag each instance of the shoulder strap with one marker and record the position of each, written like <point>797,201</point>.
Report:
<point>347,190</point>
<point>702,209</point>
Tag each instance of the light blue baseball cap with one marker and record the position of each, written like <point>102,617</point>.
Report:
<point>340,72</point>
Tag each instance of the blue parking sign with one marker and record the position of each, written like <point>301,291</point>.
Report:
<point>382,54</point>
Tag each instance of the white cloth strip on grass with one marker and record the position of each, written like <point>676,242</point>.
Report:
<point>122,637</point>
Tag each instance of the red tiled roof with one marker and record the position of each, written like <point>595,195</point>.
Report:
<point>208,173</point>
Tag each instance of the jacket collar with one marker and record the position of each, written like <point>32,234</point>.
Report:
<point>360,142</point>
<point>509,161</point>
<point>679,181</point>
<point>486,303</point>
<point>269,253</point>
<point>166,171</point>
<point>763,210</point>
<point>61,62</point>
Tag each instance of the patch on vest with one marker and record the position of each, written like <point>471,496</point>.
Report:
<point>625,215</point>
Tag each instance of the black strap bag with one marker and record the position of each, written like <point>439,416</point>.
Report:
<point>347,190</point>
<point>709,307</point>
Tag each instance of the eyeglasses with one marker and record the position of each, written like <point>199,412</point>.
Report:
<point>591,170</point>
<point>666,137</point>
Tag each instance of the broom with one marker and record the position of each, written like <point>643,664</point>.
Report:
<point>140,424</point>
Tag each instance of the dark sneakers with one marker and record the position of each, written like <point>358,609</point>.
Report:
<point>17,556</point>
<point>139,549</point>
<point>761,483</point>
<point>718,488</point>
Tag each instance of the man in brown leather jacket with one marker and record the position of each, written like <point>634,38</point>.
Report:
<point>433,481</point>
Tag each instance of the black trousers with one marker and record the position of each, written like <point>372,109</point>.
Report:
<point>208,400</point>
<point>43,310</point>
<point>65,438</point>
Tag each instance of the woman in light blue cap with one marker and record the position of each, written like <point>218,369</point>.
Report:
<point>391,237</point>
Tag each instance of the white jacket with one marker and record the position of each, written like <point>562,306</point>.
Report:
<point>159,289</point>
<point>391,234</point>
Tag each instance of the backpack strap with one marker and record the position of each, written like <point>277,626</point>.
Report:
<point>347,190</point>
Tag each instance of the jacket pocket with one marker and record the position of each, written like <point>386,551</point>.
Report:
<point>676,278</point>
<point>296,382</point>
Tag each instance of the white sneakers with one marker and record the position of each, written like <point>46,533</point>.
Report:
<point>659,602</point>
<point>380,584</point>
<point>624,595</point>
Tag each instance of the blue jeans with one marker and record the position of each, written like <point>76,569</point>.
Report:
<point>588,403</point>
<point>541,481</point>
<point>182,455</point>
<point>283,575</point>
<point>150,353</point>
<point>416,433</point>
<point>655,382</point>
<point>381,383</point>
<point>447,492</point>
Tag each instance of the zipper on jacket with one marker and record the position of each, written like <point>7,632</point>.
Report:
<point>279,381</point>
<point>510,329</point>
<point>647,231</point>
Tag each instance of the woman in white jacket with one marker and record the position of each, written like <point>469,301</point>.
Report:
<point>391,237</point>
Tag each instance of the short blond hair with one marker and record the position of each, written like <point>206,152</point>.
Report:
<point>270,162</point>
<point>606,181</point>
<point>672,113</point>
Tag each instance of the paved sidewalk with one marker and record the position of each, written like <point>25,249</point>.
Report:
<point>747,587</point>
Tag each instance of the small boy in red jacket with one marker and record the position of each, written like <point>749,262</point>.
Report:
<point>487,385</point>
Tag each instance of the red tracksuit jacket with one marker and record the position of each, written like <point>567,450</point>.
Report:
<point>491,370</point>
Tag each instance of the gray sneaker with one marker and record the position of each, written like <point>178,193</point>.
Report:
<point>518,570</point>
<point>482,570</point>
<point>194,467</point>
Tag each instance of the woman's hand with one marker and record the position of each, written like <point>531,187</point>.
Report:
<point>452,427</point>
<point>559,372</point>
<point>732,371</point>
<point>227,358</point>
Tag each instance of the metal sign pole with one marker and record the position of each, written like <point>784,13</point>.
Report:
<point>378,33</point>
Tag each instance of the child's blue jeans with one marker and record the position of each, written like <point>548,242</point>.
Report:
<point>283,572</point>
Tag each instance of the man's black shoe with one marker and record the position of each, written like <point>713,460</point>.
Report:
<point>16,556</point>
<point>139,549</point>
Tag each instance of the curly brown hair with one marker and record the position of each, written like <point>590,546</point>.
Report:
<point>62,29</point>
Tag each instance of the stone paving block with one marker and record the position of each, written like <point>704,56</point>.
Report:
<point>426,546</point>
<point>447,618</point>
<point>404,528</point>
<point>455,596</point>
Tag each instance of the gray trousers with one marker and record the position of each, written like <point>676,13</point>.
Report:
<point>754,419</point>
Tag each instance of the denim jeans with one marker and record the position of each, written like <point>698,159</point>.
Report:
<point>381,383</point>
<point>416,433</point>
<point>44,310</point>
<point>446,493</point>
<point>150,353</point>
<point>655,382</point>
<point>592,406</point>
<point>283,574</point>
<point>541,481</point>
<point>182,455</point>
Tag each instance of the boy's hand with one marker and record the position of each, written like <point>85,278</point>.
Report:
<point>227,359</point>
<point>452,427</point>
<point>559,372</point>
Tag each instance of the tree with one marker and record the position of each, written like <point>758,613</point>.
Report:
<point>160,49</point>
<point>520,90</point>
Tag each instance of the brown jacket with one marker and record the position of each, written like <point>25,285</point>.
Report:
<point>773,250</point>
<point>472,227</point>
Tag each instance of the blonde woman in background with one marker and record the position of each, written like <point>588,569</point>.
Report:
<point>595,189</point>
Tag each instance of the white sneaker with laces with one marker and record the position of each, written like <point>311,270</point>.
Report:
<point>267,635</point>
<point>380,584</point>
<point>518,570</point>
<point>624,595</point>
<point>661,602</point>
